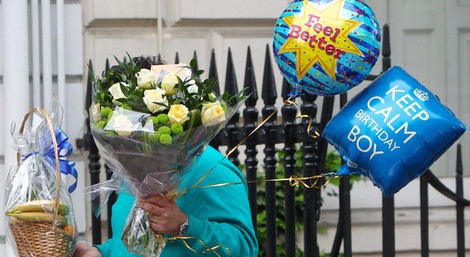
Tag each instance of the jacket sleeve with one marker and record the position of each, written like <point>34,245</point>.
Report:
<point>219,216</point>
<point>112,246</point>
<point>105,248</point>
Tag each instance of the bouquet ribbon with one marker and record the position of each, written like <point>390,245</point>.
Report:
<point>65,149</point>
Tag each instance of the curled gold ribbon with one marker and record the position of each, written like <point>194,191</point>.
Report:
<point>315,134</point>
<point>195,185</point>
<point>206,248</point>
<point>288,101</point>
<point>306,182</point>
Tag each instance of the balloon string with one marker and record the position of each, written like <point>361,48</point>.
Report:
<point>311,131</point>
<point>235,147</point>
<point>307,182</point>
<point>206,248</point>
<point>289,101</point>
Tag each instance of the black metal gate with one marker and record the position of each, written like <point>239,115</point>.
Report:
<point>285,133</point>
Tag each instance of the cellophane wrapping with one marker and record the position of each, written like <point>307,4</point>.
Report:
<point>129,135</point>
<point>39,211</point>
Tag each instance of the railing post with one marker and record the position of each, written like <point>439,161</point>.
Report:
<point>111,200</point>
<point>388,226</point>
<point>388,208</point>
<point>250,115</point>
<point>290,133</point>
<point>312,196</point>
<point>345,201</point>
<point>424,213</point>
<point>269,95</point>
<point>232,126</point>
<point>217,141</point>
<point>93,159</point>
<point>460,205</point>
<point>213,74</point>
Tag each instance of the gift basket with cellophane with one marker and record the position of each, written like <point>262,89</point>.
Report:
<point>39,211</point>
<point>150,123</point>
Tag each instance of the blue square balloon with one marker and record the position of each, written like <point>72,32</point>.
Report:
<point>392,131</point>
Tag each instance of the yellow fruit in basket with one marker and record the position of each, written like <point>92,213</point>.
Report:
<point>39,217</point>
<point>69,229</point>
<point>40,206</point>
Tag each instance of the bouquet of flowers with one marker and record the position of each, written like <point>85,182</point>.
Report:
<point>150,122</point>
<point>39,211</point>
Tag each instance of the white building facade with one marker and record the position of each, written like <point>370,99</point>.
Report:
<point>46,45</point>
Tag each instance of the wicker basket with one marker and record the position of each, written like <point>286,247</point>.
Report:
<point>36,239</point>
<point>42,239</point>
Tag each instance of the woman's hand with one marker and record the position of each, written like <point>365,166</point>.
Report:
<point>84,250</point>
<point>165,216</point>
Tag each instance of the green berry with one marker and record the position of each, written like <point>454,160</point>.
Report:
<point>105,111</point>
<point>176,128</point>
<point>154,120</point>
<point>154,137</point>
<point>166,139</point>
<point>164,130</point>
<point>100,124</point>
<point>110,114</point>
<point>163,118</point>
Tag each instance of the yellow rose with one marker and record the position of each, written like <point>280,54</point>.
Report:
<point>212,114</point>
<point>145,79</point>
<point>168,84</point>
<point>116,91</point>
<point>121,124</point>
<point>178,113</point>
<point>155,100</point>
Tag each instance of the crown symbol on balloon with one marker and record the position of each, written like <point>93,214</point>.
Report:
<point>423,96</point>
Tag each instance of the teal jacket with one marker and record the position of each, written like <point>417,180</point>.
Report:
<point>218,216</point>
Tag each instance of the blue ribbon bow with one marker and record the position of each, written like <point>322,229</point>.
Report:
<point>65,149</point>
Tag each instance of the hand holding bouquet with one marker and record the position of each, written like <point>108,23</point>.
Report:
<point>150,122</point>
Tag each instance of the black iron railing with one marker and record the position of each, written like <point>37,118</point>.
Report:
<point>286,132</point>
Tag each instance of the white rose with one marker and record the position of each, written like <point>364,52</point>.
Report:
<point>122,125</point>
<point>178,113</point>
<point>155,100</point>
<point>212,114</point>
<point>168,84</point>
<point>193,88</point>
<point>116,91</point>
<point>145,79</point>
<point>96,112</point>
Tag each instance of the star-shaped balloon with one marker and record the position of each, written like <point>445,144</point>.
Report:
<point>326,47</point>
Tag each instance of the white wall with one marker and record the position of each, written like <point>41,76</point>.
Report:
<point>73,121</point>
<point>430,39</point>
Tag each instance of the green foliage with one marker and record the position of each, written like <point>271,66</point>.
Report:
<point>333,162</point>
<point>125,74</point>
<point>137,96</point>
<point>280,198</point>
